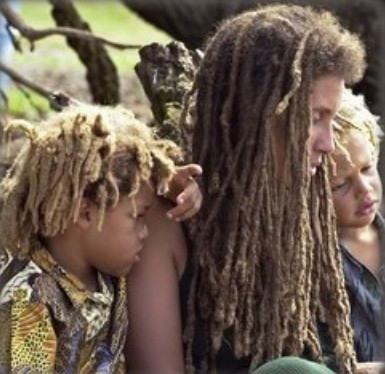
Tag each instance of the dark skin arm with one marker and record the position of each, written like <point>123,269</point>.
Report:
<point>154,343</point>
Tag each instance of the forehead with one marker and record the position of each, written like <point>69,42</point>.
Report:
<point>142,200</point>
<point>326,93</point>
<point>360,151</point>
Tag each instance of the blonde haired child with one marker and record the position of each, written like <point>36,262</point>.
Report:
<point>357,193</point>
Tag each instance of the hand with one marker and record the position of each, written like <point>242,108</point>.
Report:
<point>369,367</point>
<point>185,192</point>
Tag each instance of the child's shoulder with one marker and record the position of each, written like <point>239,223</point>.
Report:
<point>17,277</point>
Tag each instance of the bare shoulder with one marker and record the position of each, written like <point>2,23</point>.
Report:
<point>153,297</point>
<point>166,238</point>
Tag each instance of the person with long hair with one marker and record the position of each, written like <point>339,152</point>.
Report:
<point>263,270</point>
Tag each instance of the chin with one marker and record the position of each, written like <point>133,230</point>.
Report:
<point>118,273</point>
<point>124,272</point>
<point>363,221</point>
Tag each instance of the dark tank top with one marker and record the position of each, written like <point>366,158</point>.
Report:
<point>226,362</point>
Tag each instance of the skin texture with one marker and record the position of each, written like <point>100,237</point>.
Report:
<point>326,98</point>
<point>357,195</point>
<point>153,293</point>
<point>356,187</point>
<point>185,192</point>
<point>155,335</point>
<point>82,248</point>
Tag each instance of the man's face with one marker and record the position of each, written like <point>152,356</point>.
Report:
<point>325,101</point>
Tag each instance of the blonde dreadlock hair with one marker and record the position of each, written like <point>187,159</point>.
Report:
<point>265,264</point>
<point>354,115</point>
<point>92,152</point>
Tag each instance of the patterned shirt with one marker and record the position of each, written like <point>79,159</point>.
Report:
<point>50,323</point>
<point>365,292</point>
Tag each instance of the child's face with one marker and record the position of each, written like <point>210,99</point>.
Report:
<point>115,248</point>
<point>356,186</point>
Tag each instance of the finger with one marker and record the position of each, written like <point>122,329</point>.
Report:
<point>178,212</point>
<point>190,193</point>
<point>181,198</point>
<point>194,169</point>
<point>189,207</point>
<point>190,213</point>
<point>185,201</point>
<point>187,171</point>
<point>197,203</point>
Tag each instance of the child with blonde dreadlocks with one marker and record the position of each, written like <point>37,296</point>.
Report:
<point>264,267</point>
<point>357,192</point>
<point>72,226</point>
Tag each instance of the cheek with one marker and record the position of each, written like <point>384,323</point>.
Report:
<point>314,135</point>
<point>343,206</point>
<point>128,235</point>
<point>378,185</point>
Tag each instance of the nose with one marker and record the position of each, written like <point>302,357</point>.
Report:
<point>324,141</point>
<point>362,186</point>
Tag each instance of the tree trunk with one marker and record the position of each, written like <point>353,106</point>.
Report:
<point>167,75</point>
<point>102,76</point>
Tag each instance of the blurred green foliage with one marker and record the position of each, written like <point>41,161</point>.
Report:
<point>107,18</point>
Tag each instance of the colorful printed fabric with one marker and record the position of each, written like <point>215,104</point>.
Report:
<point>50,323</point>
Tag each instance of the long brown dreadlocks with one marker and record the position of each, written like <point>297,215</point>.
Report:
<point>265,264</point>
<point>98,153</point>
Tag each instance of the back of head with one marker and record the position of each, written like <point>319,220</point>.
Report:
<point>91,152</point>
<point>264,243</point>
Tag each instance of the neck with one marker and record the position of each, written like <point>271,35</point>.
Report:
<point>364,245</point>
<point>68,255</point>
<point>365,234</point>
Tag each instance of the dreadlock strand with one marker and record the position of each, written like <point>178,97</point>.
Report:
<point>75,155</point>
<point>254,236</point>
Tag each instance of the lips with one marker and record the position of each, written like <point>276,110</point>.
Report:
<point>366,208</point>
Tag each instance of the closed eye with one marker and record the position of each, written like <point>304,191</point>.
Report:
<point>367,168</point>
<point>339,186</point>
<point>137,216</point>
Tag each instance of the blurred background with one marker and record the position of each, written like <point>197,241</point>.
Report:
<point>56,66</point>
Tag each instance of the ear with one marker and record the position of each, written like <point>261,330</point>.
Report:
<point>87,214</point>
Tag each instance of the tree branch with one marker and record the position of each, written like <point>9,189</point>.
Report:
<point>101,72</point>
<point>57,99</point>
<point>33,34</point>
